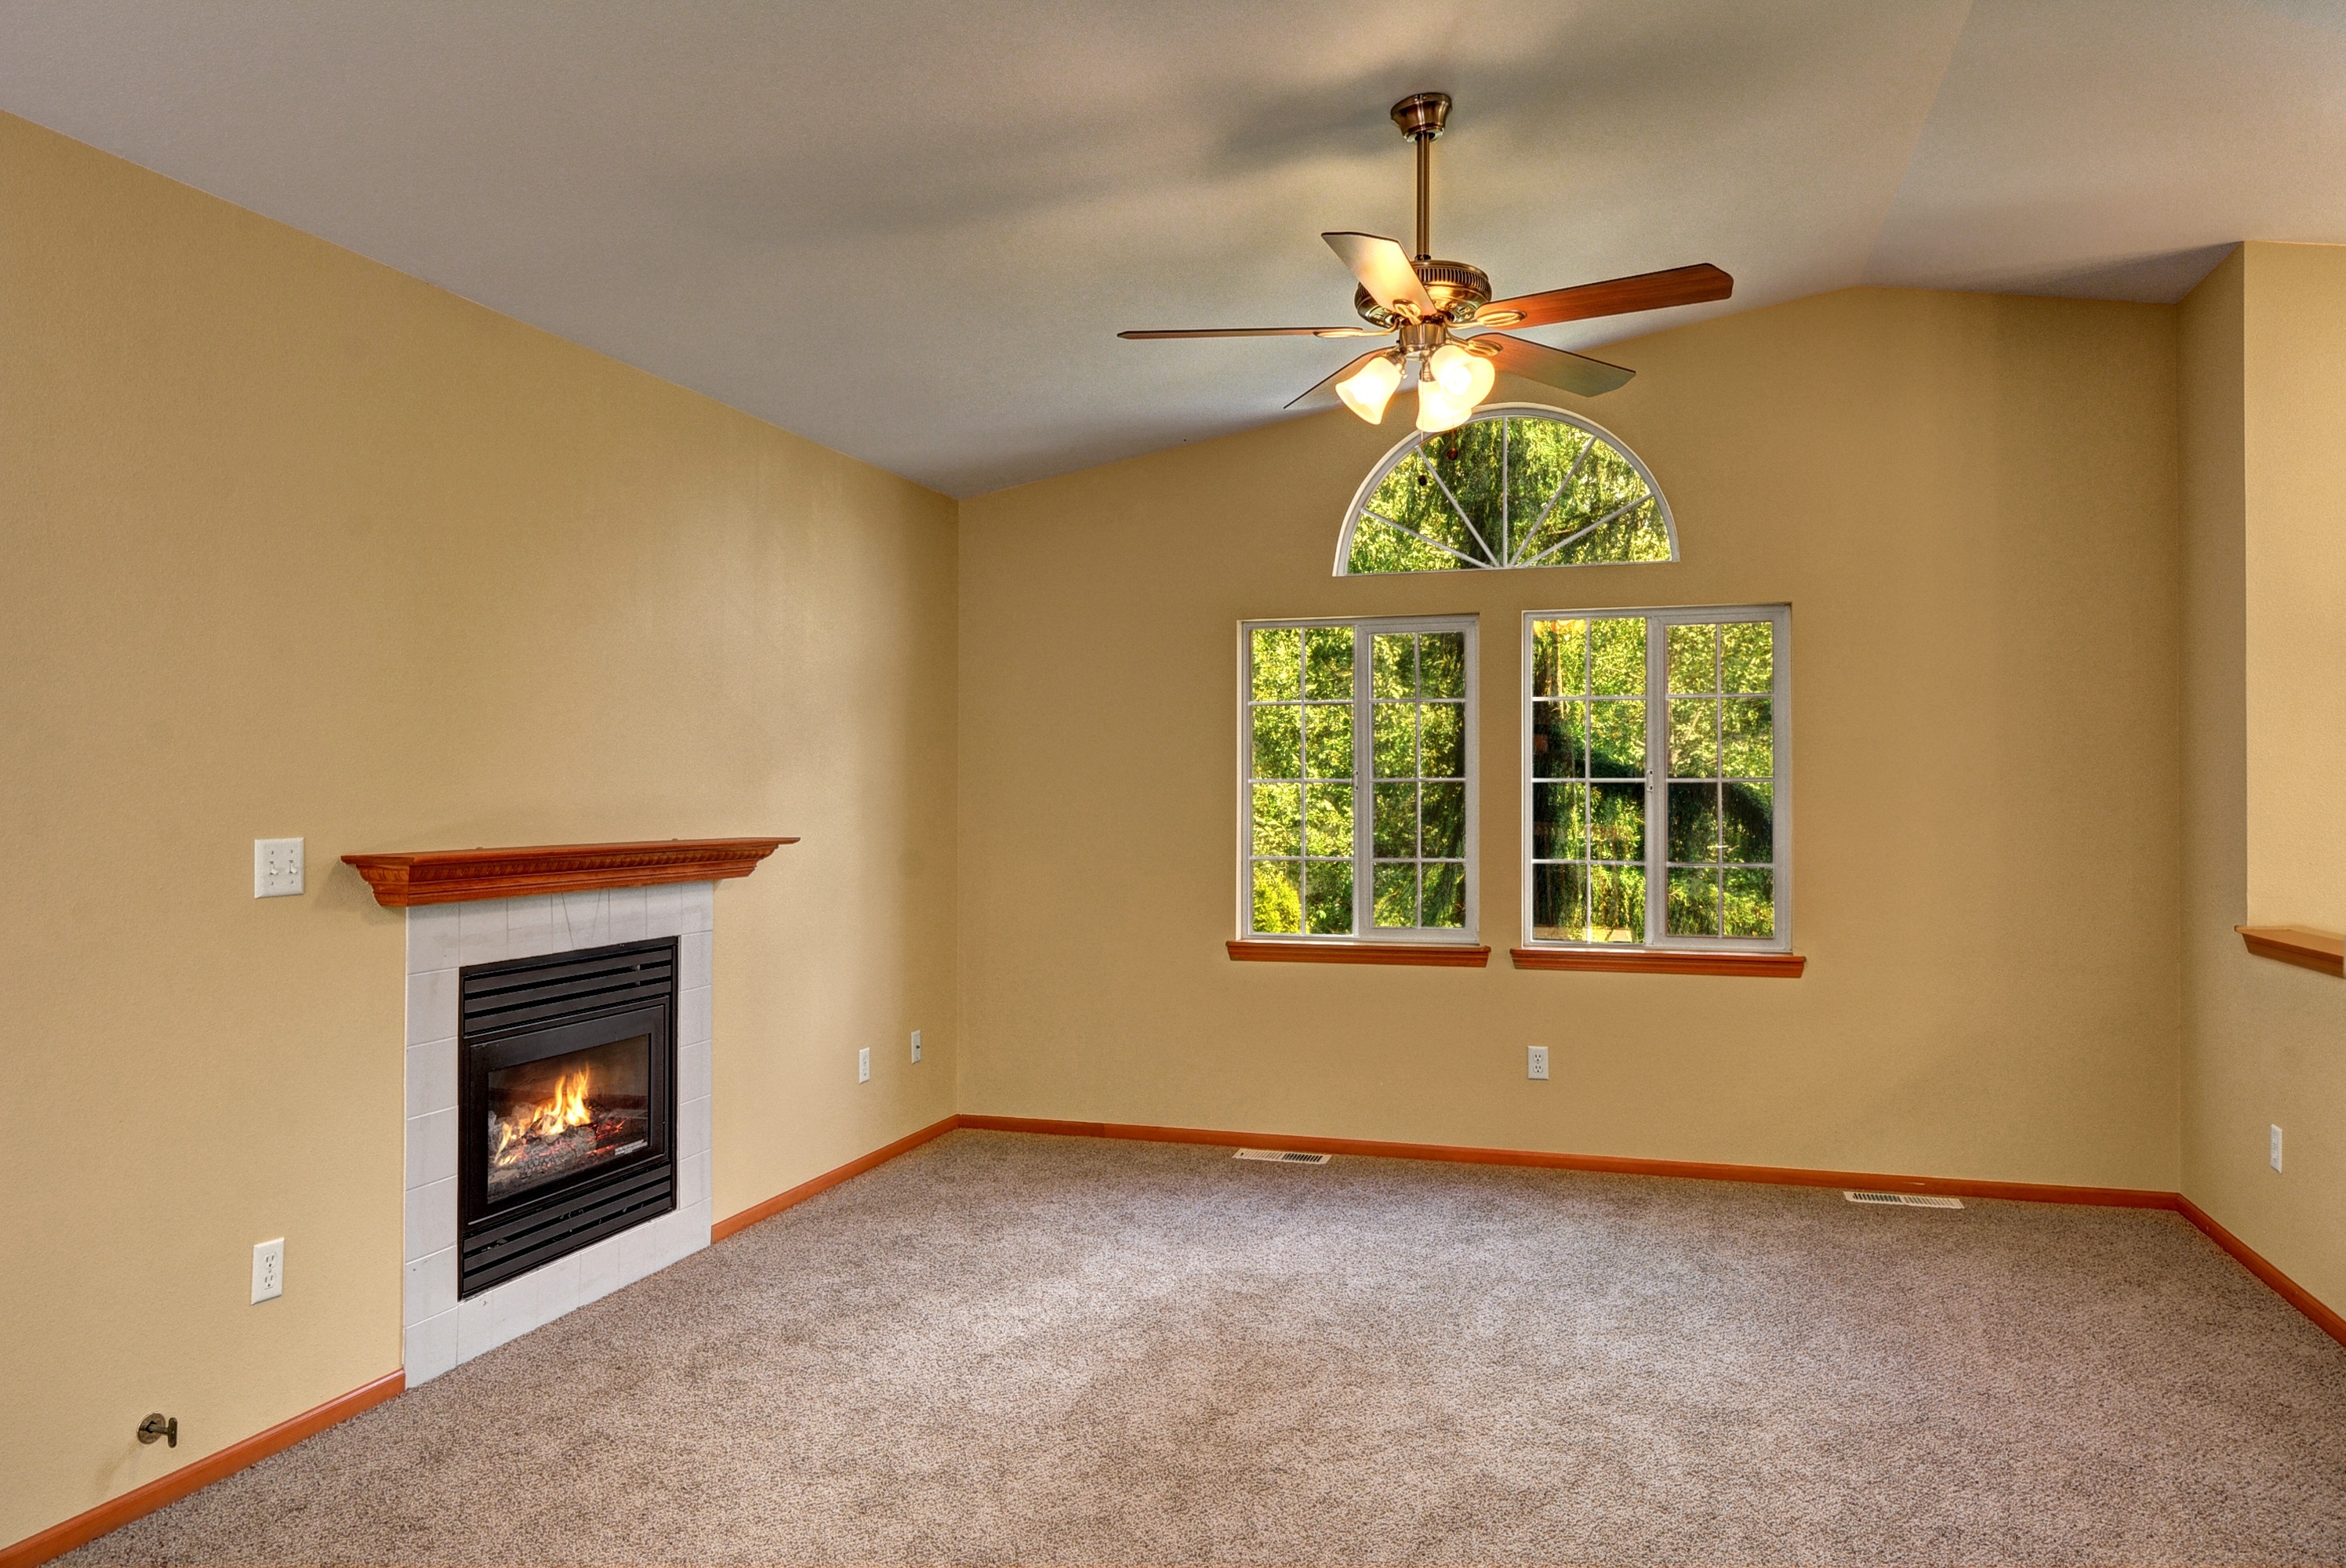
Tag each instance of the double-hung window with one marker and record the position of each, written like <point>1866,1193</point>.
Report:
<point>1656,801</point>
<point>1356,756</point>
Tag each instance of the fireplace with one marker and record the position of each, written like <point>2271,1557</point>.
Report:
<point>566,1123</point>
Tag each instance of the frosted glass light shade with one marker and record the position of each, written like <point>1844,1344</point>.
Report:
<point>1481,378</point>
<point>1449,367</point>
<point>1437,410</point>
<point>1367,390</point>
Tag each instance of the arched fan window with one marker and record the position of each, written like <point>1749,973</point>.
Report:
<point>1516,485</point>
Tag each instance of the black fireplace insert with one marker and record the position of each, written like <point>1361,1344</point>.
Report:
<point>567,1128</point>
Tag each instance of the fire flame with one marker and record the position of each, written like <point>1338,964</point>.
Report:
<point>550,1119</point>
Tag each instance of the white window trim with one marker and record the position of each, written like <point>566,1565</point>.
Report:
<point>1363,781</point>
<point>1411,442</point>
<point>1657,776</point>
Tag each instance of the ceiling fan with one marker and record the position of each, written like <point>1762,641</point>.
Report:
<point>1422,302</point>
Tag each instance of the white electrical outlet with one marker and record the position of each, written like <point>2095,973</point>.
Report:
<point>2274,1149</point>
<point>268,1270</point>
<point>916,1045</point>
<point>863,1065</point>
<point>276,868</point>
<point>1536,1062</point>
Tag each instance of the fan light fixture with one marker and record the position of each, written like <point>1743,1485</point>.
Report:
<point>1368,389</point>
<point>1424,303</point>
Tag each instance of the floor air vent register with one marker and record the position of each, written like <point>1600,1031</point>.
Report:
<point>1281,1157</point>
<point>1903,1199</point>
<point>566,1129</point>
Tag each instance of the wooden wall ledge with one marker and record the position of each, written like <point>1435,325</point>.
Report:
<point>2302,945</point>
<point>463,876</point>
<point>1436,954</point>
<point>1663,960</point>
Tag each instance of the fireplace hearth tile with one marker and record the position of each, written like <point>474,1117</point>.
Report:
<point>431,1290</point>
<point>692,1016</point>
<point>428,1347</point>
<point>432,937</point>
<point>481,930</point>
<point>692,1071</point>
<point>431,1218</point>
<point>532,928</point>
<point>626,914</point>
<point>599,1270</point>
<point>691,1132</point>
<point>557,1291</point>
<point>430,1005</point>
<point>587,916</point>
<point>432,1077</point>
<point>476,1326</point>
<point>646,1249</point>
<point>693,952</point>
<point>663,908</point>
<point>692,1179</point>
<point>431,1147</point>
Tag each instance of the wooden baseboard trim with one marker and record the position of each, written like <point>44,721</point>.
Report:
<point>2282,1285</point>
<point>140,1501</point>
<point>1607,1164</point>
<point>823,1183</point>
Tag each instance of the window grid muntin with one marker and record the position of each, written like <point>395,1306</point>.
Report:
<point>1363,631</point>
<point>1416,444</point>
<point>1656,778</point>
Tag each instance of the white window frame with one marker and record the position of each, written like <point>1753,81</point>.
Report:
<point>1657,777</point>
<point>1364,629</point>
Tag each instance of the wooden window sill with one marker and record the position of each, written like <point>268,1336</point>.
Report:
<point>2301,945</point>
<point>1439,954</point>
<point>1663,960</point>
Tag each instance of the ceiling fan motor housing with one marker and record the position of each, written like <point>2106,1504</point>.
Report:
<point>1458,290</point>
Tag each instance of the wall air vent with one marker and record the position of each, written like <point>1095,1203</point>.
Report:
<point>1904,1199</point>
<point>1282,1157</point>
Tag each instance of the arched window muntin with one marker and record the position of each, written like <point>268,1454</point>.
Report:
<point>1511,553</point>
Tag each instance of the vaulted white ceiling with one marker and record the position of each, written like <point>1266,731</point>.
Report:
<point>910,229</point>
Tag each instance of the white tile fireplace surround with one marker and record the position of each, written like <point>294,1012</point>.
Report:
<point>440,1332</point>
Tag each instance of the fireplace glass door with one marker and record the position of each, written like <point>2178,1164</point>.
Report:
<point>567,1119</point>
<point>562,1115</point>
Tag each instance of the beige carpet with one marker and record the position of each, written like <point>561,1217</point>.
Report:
<point>1039,1351</point>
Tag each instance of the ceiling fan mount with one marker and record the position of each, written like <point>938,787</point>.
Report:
<point>1420,299</point>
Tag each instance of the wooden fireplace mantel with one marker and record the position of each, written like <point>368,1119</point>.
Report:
<point>462,876</point>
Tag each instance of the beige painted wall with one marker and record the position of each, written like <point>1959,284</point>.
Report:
<point>2263,1041</point>
<point>1970,503</point>
<point>295,544</point>
<point>2293,328</point>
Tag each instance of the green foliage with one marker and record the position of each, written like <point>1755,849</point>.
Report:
<point>1278,897</point>
<point>1719,817</point>
<point>1512,490</point>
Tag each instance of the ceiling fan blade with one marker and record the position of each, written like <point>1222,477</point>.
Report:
<point>1382,267</point>
<point>1324,390</point>
<point>1693,285</point>
<point>1537,361</point>
<point>1261,332</point>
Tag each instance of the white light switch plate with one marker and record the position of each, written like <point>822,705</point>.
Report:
<point>863,1065</point>
<point>1536,1062</point>
<point>268,1270</point>
<point>276,868</point>
<point>2274,1149</point>
<point>916,1045</point>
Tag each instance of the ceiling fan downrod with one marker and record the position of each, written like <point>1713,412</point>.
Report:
<point>1422,116</point>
